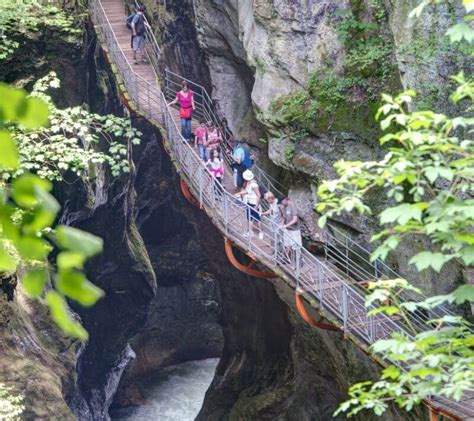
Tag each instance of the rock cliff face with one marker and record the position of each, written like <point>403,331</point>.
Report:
<point>36,360</point>
<point>265,56</point>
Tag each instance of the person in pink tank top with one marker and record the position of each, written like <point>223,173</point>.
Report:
<point>200,135</point>
<point>185,97</point>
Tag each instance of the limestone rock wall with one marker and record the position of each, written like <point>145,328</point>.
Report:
<point>280,47</point>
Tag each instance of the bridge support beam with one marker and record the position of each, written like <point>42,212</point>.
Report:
<point>436,413</point>
<point>247,269</point>
<point>188,195</point>
<point>300,307</point>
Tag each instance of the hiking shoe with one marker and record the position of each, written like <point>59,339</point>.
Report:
<point>248,234</point>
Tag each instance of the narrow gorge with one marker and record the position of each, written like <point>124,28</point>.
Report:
<point>300,83</point>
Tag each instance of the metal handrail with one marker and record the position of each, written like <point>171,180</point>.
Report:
<point>205,108</point>
<point>336,292</point>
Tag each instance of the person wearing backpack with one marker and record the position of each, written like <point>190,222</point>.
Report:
<point>138,34</point>
<point>238,156</point>
<point>247,161</point>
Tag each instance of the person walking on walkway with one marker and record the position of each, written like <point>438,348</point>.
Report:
<point>238,156</point>
<point>214,139</point>
<point>185,97</point>
<point>216,165</point>
<point>251,195</point>
<point>138,34</point>
<point>276,217</point>
<point>200,135</point>
<point>273,211</point>
<point>292,231</point>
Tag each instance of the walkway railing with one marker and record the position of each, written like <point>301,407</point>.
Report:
<point>334,289</point>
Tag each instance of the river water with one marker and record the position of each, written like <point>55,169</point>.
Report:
<point>175,393</point>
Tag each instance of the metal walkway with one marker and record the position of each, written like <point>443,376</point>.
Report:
<point>333,282</point>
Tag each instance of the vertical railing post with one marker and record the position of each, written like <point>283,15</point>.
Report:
<point>213,192</point>
<point>319,274</point>
<point>346,256</point>
<point>298,262</point>
<point>275,229</point>
<point>200,184</point>
<point>149,104</point>
<point>137,84</point>
<point>226,213</point>
<point>371,322</point>
<point>345,309</point>
<point>167,82</point>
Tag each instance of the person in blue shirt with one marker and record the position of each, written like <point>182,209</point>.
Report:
<point>238,156</point>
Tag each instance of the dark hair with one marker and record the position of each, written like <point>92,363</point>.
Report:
<point>184,84</point>
<point>141,8</point>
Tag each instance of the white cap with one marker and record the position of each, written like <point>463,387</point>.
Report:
<point>247,175</point>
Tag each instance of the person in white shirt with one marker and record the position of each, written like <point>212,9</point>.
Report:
<point>251,195</point>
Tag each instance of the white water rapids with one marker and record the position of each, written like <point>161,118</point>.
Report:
<point>175,393</point>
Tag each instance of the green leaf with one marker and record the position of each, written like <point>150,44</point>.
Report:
<point>62,317</point>
<point>467,255</point>
<point>26,188</point>
<point>7,263</point>
<point>427,259</point>
<point>9,155</point>
<point>459,32</point>
<point>32,248</point>
<point>70,260</point>
<point>33,113</point>
<point>401,214</point>
<point>34,282</point>
<point>75,285</point>
<point>388,310</point>
<point>464,293</point>
<point>76,240</point>
<point>11,101</point>
<point>391,372</point>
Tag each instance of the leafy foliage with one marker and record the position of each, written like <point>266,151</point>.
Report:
<point>18,18</point>
<point>73,140</point>
<point>425,158</point>
<point>27,212</point>
<point>427,178</point>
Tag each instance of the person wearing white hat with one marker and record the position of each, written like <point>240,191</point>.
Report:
<point>250,194</point>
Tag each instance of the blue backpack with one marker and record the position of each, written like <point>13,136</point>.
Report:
<point>129,21</point>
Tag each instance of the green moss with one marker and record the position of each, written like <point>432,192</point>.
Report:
<point>260,65</point>
<point>346,101</point>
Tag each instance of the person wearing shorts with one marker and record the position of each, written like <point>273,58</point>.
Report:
<point>251,195</point>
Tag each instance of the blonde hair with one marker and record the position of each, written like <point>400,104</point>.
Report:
<point>268,195</point>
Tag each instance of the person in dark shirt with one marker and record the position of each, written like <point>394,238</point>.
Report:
<point>138,34</point>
